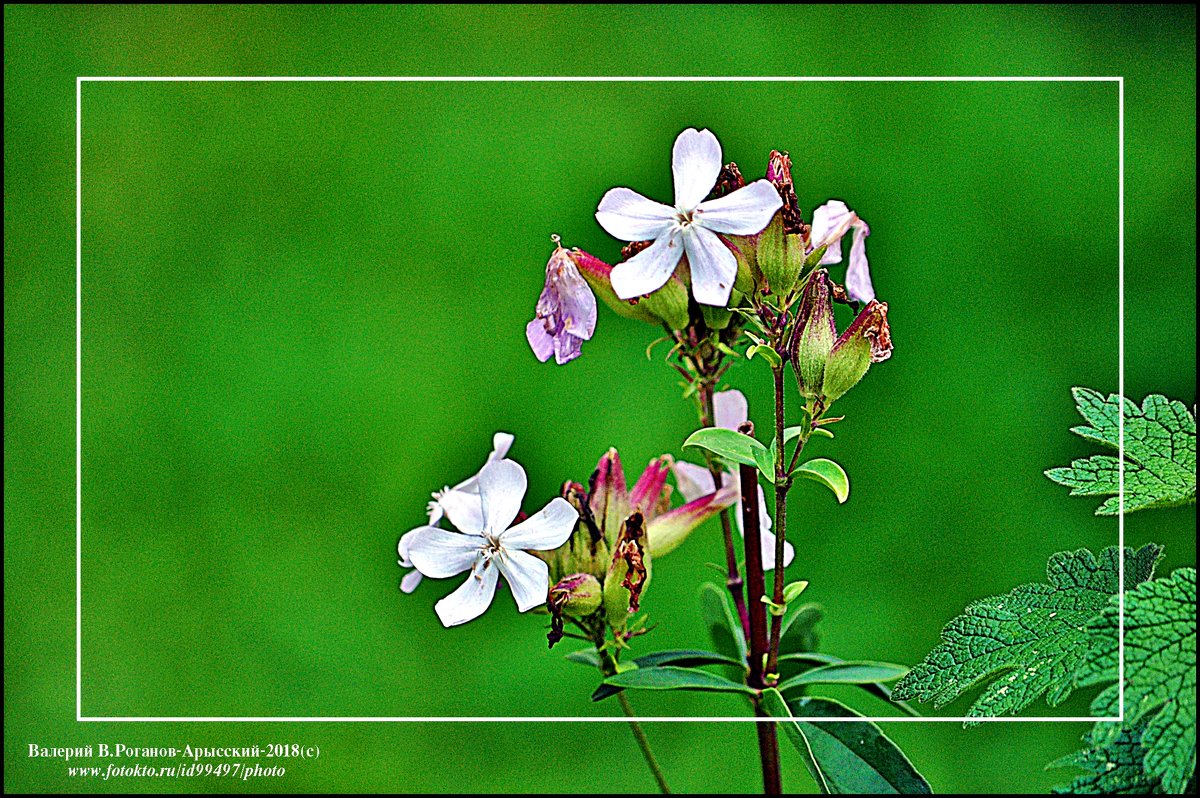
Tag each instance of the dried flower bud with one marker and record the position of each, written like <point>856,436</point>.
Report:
<point>628,572</point>
<point>867,340</point>
<point>779,173</point>
<point>729,180</point>
<point>574,596</point>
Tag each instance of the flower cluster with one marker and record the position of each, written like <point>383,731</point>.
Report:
<point>587,553</point>
<point>699,265</point>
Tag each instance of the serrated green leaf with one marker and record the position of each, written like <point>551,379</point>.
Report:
<point>1160,674</point>
<point>1114,768</point>
<point>845,672</point>
<point>671,677</point>
<point>829,474</point>
<point>726,443</point>
<point>1160,453</point>
<point>724,626</point>
<point>844,757</point>
<point>1029,642</point>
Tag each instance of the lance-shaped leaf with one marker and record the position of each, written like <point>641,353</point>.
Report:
<point>1160,674</point>
<point>1160,453</point>
<point>845,672</point>
<point>1029,642</point>
<point>686,658</point>
<point>845,757</point>
<point>671,677</point>
<point>724,626</point>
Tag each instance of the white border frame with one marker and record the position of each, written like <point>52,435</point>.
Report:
<point>81,81</point>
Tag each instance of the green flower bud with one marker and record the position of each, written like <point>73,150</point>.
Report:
<point>867,340</point>
<point>814,336</point>
<point>668,305</point>
<point>782,244</point>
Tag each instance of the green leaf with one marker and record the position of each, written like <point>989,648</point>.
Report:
<point>792,591</point>
<point>1160,674</point>
<point>1029,642</point>
<point>829,474</point>
<point>764,459</point>
<point>844,757</point>
<point>1160,453</point>
<point>585,656</point>
<point>724,626</point>
<point>671,677</point>
<point>767,353</point>
<point>683,657</point>
<point>846,672</point>
<point>798,632</point>
<point>727,443</point>
<point>877,689</point>
<point>1114,768</point>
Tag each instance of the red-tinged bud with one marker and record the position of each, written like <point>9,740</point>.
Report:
<point>867,340</point>
<point>814,336</point>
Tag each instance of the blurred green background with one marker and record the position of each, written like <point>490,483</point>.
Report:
<point>304,309</point>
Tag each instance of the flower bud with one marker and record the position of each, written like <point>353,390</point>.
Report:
<point>814,336</point>
<point>574,596</point>
<point>779,173</point>
<point>628,572</point>
<point>867,340</point>
<point>668,305</point>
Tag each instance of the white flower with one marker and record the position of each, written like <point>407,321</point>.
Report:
<point>830,223</point>
<point>690,227</point>
<point>731,409</point>
<point>461,503</point>
<point>488,547</point>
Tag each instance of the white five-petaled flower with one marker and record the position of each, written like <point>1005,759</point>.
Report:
<point>462,501</point>
<point>691,227</point>
<point>487,546</point>
<point>731,409</point>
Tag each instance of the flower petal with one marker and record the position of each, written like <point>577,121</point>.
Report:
<point>713,266</point>
<point>696,164</point>
<point>627,215</point>
<point>472,597</point>
<point>577,303</point>
<point>546,529</point>
<point>693,481</point>
<point>502,487</point>
<point>830,222</point>
<point>650,269</point>
<point>649,487</point>
<point>730,409</point>
<point>666,531</point>
<point>410,581</point>
<point>440,553</point>
<point>528,577</point>
<point>768,552</point>
<point>540,341</point>
<point>858,273</point>
<point>465,510</point>
<point>743,212</point>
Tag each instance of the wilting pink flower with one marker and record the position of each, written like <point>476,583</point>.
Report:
<point>566,311</point>
<point>691,227</point>
<point>830,224</point>
<point>611,503</point>
<point>731,409</point>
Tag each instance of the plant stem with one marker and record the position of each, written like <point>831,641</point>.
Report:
<point>608,667</point>
<point>782,483</point>
<point>644,744</point>
<point>768,743</point>
<point>733,579</point>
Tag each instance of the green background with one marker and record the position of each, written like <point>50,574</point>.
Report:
<point>304,309</point>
